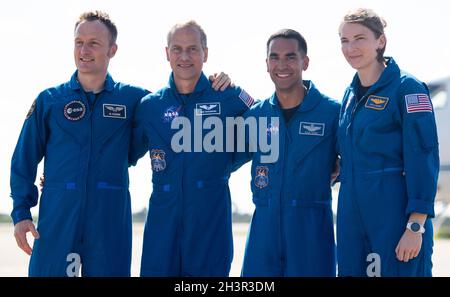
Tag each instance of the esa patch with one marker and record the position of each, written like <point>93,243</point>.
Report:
<point>74,110</point>
<point>114,111</point>
<point>261,176</point>
<point>32,108</point>
<point>313,129</point>
<point>377,102</point>
<point>207,108</point>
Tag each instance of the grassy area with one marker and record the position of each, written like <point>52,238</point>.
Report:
<point>141,216</point>
<point>444,231</point>
<point>5,218</point>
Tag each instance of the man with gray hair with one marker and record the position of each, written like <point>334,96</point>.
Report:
<point>188,227</point>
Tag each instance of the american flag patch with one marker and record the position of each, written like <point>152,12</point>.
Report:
<point>246,98</point>
<point>418,103</point>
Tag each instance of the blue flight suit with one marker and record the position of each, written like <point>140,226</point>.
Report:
<point>188,227</point>
<point>85,203</point>
<point>390,162</point>
<point>291,232</point>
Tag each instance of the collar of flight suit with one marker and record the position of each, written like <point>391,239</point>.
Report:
<point>200,87</point>
<point>389,73</point>
<point>309,102</point>
<point>75,84</point>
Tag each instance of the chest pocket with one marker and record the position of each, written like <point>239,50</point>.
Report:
<point>308,135</point>
<point>376,115</point>
<point>112,122</point>
<point>72,118</point>
<point>374,107</point>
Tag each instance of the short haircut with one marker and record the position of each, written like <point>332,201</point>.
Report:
<point>290,34</point>
<point>103,17</point>
<point>190,24</point>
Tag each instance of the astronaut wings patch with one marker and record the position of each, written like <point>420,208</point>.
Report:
<point>313,129</point>
<point>114,111</point>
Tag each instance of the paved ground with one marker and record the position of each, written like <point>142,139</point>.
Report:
<point>13,262</point>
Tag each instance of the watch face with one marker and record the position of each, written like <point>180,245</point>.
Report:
<point>415,227</point>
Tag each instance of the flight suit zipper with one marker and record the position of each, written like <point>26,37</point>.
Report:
<point>354,199</point>
<point>88,169</point>
<point>284,143</point>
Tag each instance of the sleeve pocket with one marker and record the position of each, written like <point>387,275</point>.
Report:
<point>426,132</point>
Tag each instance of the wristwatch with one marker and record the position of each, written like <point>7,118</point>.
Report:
<point>415,227</point>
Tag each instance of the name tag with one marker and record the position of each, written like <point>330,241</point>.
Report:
<point>377,102</point>
<point>114,111</point>
<point>313,129</point>
<point>207,108</point>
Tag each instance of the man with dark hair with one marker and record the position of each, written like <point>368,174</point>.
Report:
<point>291,232</point>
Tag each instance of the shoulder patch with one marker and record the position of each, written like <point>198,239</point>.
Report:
<point>32,108</point>
<point>246,98</point>
<point>418,103</point>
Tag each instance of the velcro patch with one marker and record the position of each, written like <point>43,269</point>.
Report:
<point>114,111</point>
<point>418,103</point>
<point>377,102</point>
<point>74,110</point>
<point>246,98</point>
<point>313,129</point>
<point>207,108</point>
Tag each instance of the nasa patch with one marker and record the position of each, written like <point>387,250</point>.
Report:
<point>272,129</point>
<point>171,113</point>
<point>114,111</point>
<point>313,129</point>
<point>261,176</point>
<point>158,160</point>
<point>74,110</point>
<point>207,108</point>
